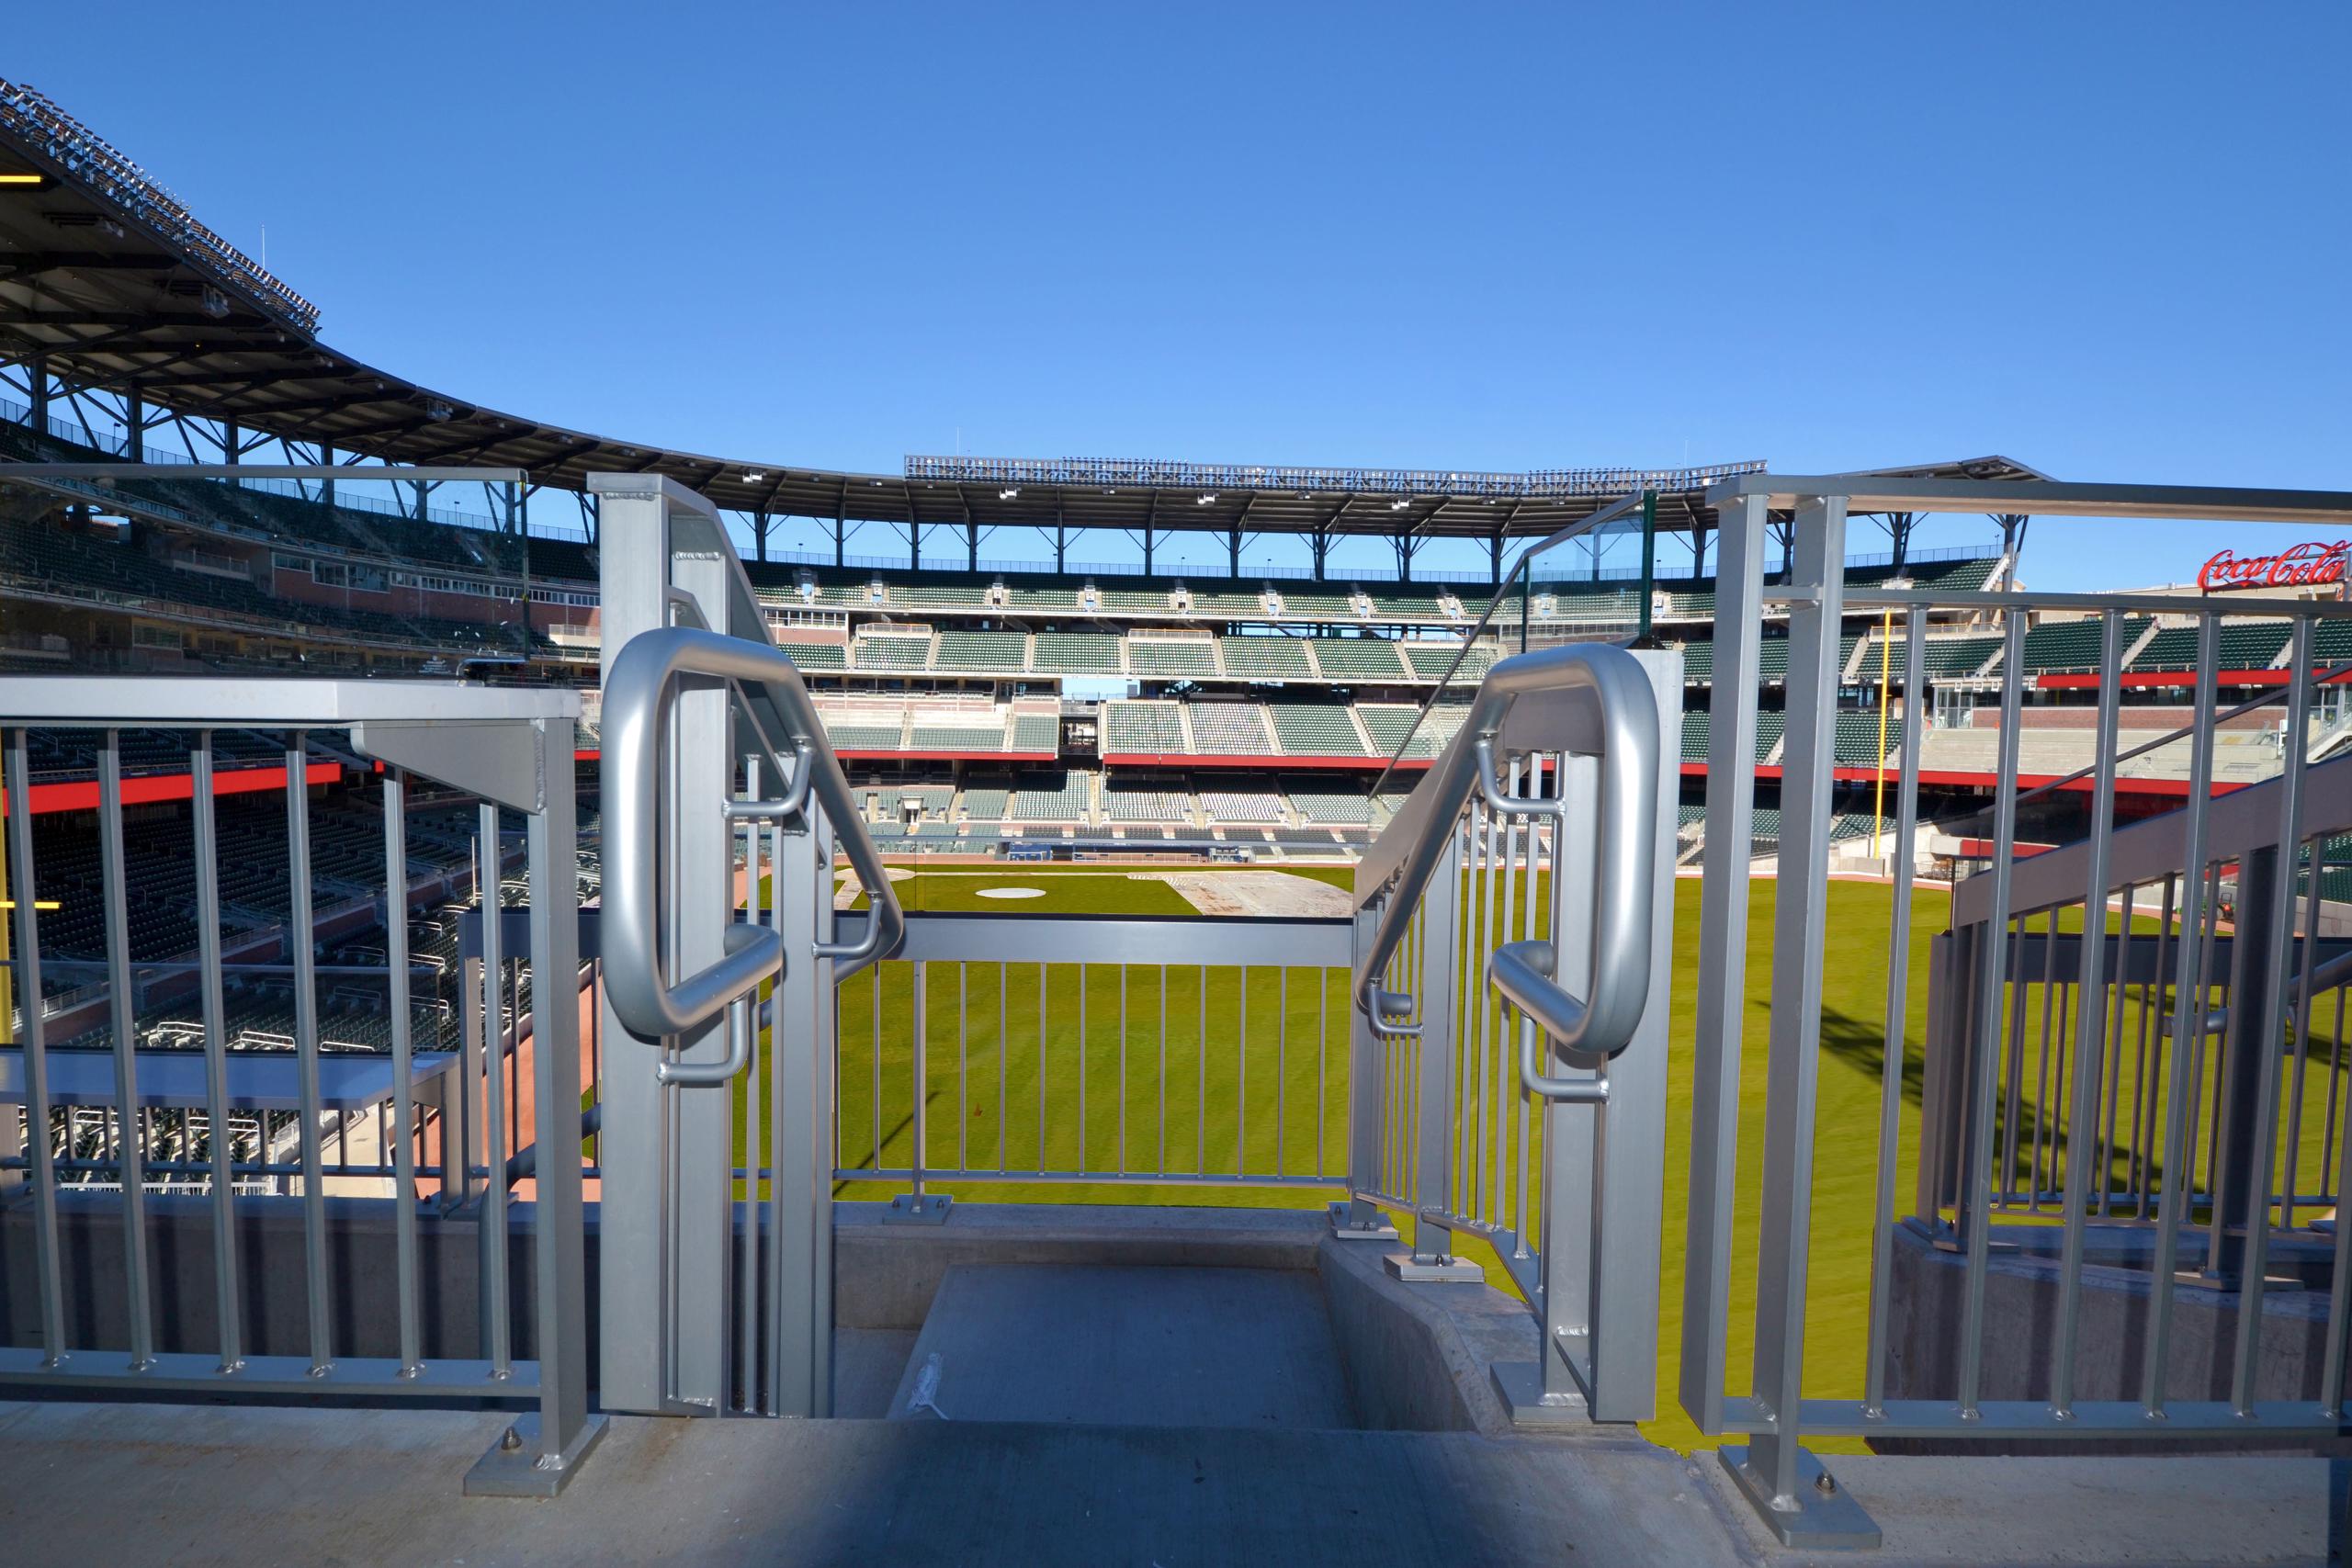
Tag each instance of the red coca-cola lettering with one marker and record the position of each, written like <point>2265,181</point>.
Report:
<point>2307,565</point>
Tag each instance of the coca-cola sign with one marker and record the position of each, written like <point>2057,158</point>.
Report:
<point>2304,566</point>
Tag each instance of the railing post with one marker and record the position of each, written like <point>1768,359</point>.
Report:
<point>554,1440</point>
<point>1356,1217</point>
<point>1433,1162</point>
<point>666,1245</point>
<point>800,1105</point>
<point>1722,1001</point>
<point>1778,1476</point>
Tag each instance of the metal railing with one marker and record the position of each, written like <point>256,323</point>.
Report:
<point>1513,988</point>
<point>169,1120</point>
<point>1156,1051</point>
<point>2074,1096</point>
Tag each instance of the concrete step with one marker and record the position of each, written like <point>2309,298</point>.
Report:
<point>1127,1346</point>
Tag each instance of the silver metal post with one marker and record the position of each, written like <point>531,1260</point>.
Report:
<point>228,1301</point>
<point>1895,1048</point>
<point>1772,1471</point>
<point>2090,1023</point>
<point>2187,1023</point>
<point>497,1320</point>
<point>48,1273</point>
<point>131,1153</point>
<point>1722,1001</point>
<point>306,1045</point>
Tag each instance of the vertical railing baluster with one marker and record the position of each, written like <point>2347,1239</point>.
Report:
<point>1720,1010</point>
<point>404,1069</point>
<point>1159,1163</point>
<point>1976,1185</point>
<point>2188,1028</point>
<point>1895,1049</point>
<point>48,1266</point>
<point>747,1249</point>
<point>205,844</point>
<point>2271,1003</point>
<point>1282,1070</point>
<point>129,1156</point>
<point>498,1322</point>
<point>2089,1023</point>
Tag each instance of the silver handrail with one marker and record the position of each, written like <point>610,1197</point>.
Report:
<point>1589,1031</point>
<point>637,703</point>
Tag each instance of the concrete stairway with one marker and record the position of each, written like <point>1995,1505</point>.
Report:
<point>1134,1345</point>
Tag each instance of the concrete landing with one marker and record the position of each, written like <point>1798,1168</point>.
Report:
<point>204,1485</point>
<point>1108,1345</point>
<point>200,1484</point>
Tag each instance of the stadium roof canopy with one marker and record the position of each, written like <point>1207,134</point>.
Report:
<point>117,287</point>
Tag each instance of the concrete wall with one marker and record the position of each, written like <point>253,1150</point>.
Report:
<point>2021,1314</point>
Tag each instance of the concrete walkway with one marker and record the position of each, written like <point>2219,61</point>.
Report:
<point>202,1485</point>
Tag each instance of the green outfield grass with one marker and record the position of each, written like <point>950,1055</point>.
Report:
<point>1243,1098</point>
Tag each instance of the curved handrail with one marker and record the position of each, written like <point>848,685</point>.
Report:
<point>1591,1031</point>
<point>638,694</point>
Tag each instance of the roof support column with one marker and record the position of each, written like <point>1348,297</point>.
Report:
<point>841,534</point>
<point>1407,546</point>
<point>2012,537</point>
<point>972,546</point>
<point>1061,537</point>
<point>326,460</point>
<point>134,415</point>
<point>1495,559</point>
<point>233,440</point>
<point>1233,550</point>
<point>1147,549</point>
<point>1697,546</point>
<point>1898,526</point>
<point>39,367</point>
<point>760,535</point>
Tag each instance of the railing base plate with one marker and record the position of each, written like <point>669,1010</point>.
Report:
<point>1520,1385</point>
<point>1825,1520</point>
<point>906,1209</point>
<point>515,1471</point>
<point>1374,1228</point>
<point>1433,1270</point>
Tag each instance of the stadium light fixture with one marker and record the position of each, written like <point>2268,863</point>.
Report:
<point>437,410</point>
<point>1206,499</point>
<point>1008,492</point>
<point>753,478</point>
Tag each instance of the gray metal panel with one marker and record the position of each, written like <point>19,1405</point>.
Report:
<point>1062,938</point>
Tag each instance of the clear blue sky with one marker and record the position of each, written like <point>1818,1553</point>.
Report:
<point>2111,242</point>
